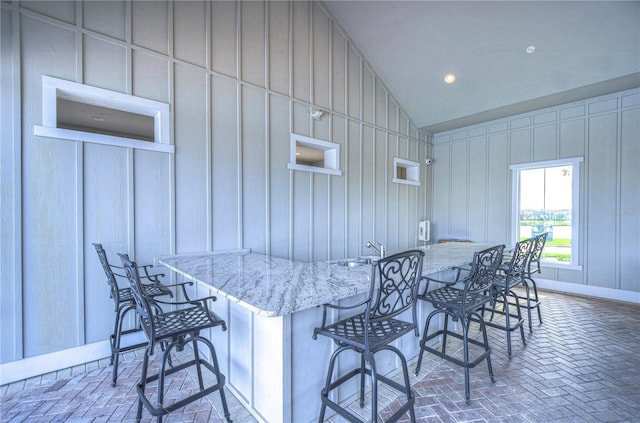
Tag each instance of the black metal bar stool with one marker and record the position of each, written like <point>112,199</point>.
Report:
<point>509,276</point>
<point>393,281</point>
<point>124,303</point>
<point>174,329</point>
<point>462,301</point>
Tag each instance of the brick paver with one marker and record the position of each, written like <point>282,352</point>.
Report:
<point>581,365</point>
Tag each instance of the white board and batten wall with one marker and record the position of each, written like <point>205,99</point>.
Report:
<point>472,186</point>
<point>239,78</point>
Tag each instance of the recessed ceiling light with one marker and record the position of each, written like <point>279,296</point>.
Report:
<point>531,49</point>
<point>449,78</point>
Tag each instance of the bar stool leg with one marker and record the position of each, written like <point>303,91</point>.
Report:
<point>374,387</point>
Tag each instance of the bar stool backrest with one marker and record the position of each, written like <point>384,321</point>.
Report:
<point>111,279</point>
<point>536,252</point>
<point>483,269</point>
<point>519,261</point>
<point>143,306</point>
<point>393,282</point>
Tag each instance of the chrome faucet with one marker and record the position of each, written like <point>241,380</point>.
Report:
<point>377,247</point>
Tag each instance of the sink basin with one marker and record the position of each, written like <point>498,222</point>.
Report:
<point>360,261</point>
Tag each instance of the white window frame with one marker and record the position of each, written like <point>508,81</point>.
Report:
<point>575,210</point>
<point>331,153</point>
<point>54,88</point>
<point>412,172</point>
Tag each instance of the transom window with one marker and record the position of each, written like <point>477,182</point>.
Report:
<point>546,199</point>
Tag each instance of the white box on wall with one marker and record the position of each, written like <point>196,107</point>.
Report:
<point>424,231</point>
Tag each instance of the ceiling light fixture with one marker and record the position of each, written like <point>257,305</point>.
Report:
<point>531,49</point>
<point>449,78</point>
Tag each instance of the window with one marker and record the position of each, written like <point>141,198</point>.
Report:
<point>546,199</point>
<point>406,172</point>
<point>83,113</point>
<point>313,155</point>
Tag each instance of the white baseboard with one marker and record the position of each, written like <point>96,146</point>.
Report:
<point>14,371</point>
<point>591,291</point>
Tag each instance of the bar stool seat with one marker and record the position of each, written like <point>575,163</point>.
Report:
<point>177,328</point>
<point>392,292</point>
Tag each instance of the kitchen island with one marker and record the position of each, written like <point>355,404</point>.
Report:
<point>271,304</point>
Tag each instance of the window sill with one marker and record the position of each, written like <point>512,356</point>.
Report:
<point>555,265</point>
<point>315,169</point>
<point>72,135</point>
<point>405,181</point>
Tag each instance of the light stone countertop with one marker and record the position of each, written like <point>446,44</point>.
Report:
<point>272,286</point>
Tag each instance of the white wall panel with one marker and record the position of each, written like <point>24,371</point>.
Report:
<point>440,223</point>
<point>224,37</point>
<point>380,178</point>
<point>354,187</point>
<point>381,105</point>
<point>190,32</point>
<point>368,183</point>
<point>545,142</point>
<point>241,350</point>
<point>49,179</point>
<point>520,146</point>
<point>629,209</point>
<point>50,225</point>
<point>338,200</point>
<point>393,111</point>
<point>354,81</point>
<point>301,54</point>
<point>458,215</point>
<point>477,215</point>
<point>321,57</point>
<point>499,189</point>
<point>279,177</point>
<point>151,171</point>
<point>252,40</point>
<point>106,221</point>
<point>368,95</point>
<point>151,23</point>
<point>225,186</point>
<point>320,217</point>
<point>279,46</point>
<point>150,74</point>
<point>302,212</point>
<point>393,196</point>
<point>339,75</point>
<point>64,11</point>
<point>192,195</point>
<point>105,17</point>
<point>602,176</point>
<point>572,138</point>
<point>105,64</point>
<point>301,124</point>
<point>10,192</point>
<point>254,170</point>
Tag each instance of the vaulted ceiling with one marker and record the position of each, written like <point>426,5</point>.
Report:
<point>582,49</point>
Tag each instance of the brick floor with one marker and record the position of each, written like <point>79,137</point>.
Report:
<point>581,365</point>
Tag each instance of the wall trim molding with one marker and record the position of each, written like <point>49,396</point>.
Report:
<point>588,290</point>
<point>14,371</point>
